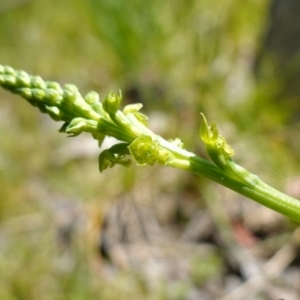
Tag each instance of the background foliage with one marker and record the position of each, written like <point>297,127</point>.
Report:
<point>64,226</point>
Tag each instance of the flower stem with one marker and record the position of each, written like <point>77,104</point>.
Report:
<point>130,126</point>
<point>261,192</point>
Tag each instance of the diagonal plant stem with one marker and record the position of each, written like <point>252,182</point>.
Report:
<point>136,140</point>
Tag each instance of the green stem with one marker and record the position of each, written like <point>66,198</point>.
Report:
<point>258,190</point>
<point>242,181</point>
<point>261,192</point>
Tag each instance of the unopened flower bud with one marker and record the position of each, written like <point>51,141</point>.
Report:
<point>78,125</point>
<point>69,96</point>
<point>38,94</point>
<point>54,86</point>
<point>53,96</point>
<point>112,102</point>
<point>9,70</point>
<point>92,97</point>
<point>38,82</point>
<point>71,87</point>
<point>23,79</point>
<point>54,112</point>
<point>10,80</point>
<point>26,93</point>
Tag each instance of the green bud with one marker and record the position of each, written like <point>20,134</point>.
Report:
<point>53,96</point>
<point>23,79</point>
<point>92,97</point>
<point>78,125</point>
<point>38,82</point>
<point>71,87</point>
<point>84,108</point>
<point>54,112</point>
<point>21,73</point>
<point>54,86</point>
<point>38,94</point>
<point>9,70</point>
<point>2,69</point>
<point>73,102</point>
<point>10,80</point>
<point>112,102</point>
<point>26,93</point>
<point>69,96</point>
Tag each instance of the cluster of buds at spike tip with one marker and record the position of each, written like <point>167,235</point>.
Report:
<point>62,104</point>
<point>88,114</point>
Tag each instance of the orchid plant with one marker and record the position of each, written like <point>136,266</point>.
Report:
<point>137,142</point>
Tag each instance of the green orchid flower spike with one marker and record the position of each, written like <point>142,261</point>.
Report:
<point>137,142</point>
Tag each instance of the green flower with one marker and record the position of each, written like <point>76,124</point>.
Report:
<point>144,150</point>
<point>218,149</point>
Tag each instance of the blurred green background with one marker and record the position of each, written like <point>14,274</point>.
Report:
<point>69,232</point>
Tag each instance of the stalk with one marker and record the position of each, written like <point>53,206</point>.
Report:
<point>138,143</point>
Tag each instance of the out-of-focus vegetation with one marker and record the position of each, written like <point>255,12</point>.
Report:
<point>69,232</point>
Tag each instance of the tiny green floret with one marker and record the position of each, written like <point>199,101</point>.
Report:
<point>112,102</point>
<point>144,150</point>
<point>220,153</point>
<point>216,145</point>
